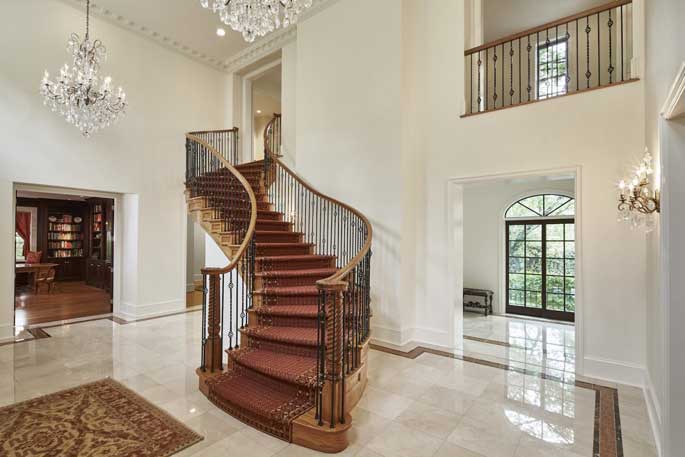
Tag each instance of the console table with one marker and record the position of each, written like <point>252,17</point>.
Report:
<point>487,299</point>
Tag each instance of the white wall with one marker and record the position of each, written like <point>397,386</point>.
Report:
<point>666,140</point>
<point>383,116</point>
<point>506,17</point>
<point>349,105</point>
<point>598,132</point>
<point>289,101</point>
<point>484,204</point>
<point>142,156</point>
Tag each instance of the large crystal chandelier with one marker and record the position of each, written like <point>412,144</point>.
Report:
<point>81,95</point>
<point>257,17</point>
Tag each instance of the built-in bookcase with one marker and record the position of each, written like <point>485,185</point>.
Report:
<point>97,233</point>
<point>65,236</point>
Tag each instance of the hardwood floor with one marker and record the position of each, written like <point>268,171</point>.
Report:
<point>69,300</point>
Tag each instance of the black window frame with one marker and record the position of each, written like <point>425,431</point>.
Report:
<point>542,312</point>
<point>541,48</point>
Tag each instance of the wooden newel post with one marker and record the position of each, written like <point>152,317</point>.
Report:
<point>214,345</point>
<point>334,352</point>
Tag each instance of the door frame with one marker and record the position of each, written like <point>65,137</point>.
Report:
<point>454,262</point>
<point>542,312</point>
<point>118,256</point>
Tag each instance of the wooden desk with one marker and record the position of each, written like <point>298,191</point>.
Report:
<point>32,269</point>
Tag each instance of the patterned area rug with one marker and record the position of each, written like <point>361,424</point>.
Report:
<point>103,418</point>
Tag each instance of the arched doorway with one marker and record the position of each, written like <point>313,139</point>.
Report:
<point>540,257</point>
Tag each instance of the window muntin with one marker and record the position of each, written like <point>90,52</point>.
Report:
<point>545,205</point>
<point>552,68</point>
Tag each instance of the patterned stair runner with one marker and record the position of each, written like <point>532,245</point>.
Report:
<point>271,378</point>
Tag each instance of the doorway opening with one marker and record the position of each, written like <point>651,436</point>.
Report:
<point>515,260</point>
<point>266,103</point>
<point>541,257</point>
<point>64,257</point>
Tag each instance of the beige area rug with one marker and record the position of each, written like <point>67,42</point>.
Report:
<point>102,418</point>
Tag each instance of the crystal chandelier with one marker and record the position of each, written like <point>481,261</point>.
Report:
<point>257,17</point>
<point>81,95</point>
<point>637,202</point>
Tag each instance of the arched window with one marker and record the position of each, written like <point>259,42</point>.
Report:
<point>546,205</point>
<point>541,257</point>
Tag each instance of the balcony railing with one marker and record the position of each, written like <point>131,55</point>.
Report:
<point>586,51</point>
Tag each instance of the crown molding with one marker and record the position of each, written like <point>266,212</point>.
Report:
<point>272,42</point>
<point>140,29</point>
<point>675,102</point>
<point>261,48</point>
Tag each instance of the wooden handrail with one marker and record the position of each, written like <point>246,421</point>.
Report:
<point>549,25</point>
<point>234,129</point>
<point>253,204</point>
<point>335,280</point>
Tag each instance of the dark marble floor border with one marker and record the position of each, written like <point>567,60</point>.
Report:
<point>608,439</point>
<point>495,342</point>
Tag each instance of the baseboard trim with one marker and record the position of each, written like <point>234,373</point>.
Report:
<point>131,312</point>
<point>614,371</point>
<point>413,335</point>
<point>654,411</point>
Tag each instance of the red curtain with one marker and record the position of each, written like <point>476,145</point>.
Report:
<point>23,228</point>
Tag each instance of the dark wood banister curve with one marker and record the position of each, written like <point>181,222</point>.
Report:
<point>253,204</point>
<point>335,280</point>
<point>549,25</point>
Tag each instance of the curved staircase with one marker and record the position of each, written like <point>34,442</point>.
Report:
<point>292,307</point>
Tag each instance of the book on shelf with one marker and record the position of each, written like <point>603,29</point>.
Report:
<point>63,227</point>
<point>65,253</point>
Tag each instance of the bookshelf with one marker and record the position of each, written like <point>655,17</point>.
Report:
<point>97,234</point>
<point>65,236</point>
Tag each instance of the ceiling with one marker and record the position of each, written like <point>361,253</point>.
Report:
<point>180,24</point>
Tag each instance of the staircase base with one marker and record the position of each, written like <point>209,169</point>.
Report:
<point>308,433</point>
<point>306,430</point>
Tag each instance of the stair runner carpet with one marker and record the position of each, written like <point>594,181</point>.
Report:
<point>271,378</point>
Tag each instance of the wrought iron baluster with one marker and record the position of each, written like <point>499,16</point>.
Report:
<point>471,90</point>
<point>610,23</point>
<point>623,64</point>
<point>494,66</point>
<point>511,73</point>
<point>480,64</point>
<point>588,29</point>
<point>529,88</point>
<point>599,52</point>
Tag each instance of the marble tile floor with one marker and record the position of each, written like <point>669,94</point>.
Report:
<point>534,345</point>
<point>432,406</point>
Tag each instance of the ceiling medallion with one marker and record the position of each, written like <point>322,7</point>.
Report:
<point>81,95</point>
<point>256,18</point>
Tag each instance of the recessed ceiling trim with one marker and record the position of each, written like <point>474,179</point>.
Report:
<point>247,56</point>
<point>140,29</point>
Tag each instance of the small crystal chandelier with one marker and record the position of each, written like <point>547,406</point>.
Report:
<point>257,17</point>
<point>80,95</point>
<point>637,201</point>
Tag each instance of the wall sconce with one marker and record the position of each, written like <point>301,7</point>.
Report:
<point>637,201</point>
